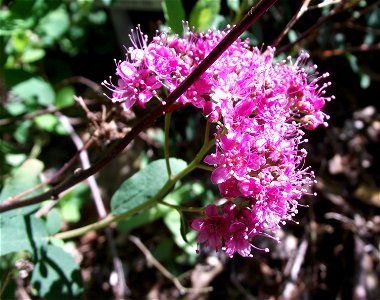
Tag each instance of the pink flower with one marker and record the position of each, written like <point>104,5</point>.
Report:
<point>135,84</point>
<point>261,108</point>
<point>213,229</point>
<point>311,122</point>
<point>238,240</point>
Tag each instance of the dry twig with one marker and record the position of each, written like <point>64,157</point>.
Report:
<point>152,260</point>
<point>120,288</point>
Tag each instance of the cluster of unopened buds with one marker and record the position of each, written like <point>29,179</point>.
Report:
<point>261,109</point>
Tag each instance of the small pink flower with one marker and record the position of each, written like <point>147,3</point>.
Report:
<point>238,240</point>
<point>213,229</point>
<point>311,122</point>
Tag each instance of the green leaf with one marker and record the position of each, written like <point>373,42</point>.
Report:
<point>32,55</point>
<point>163,251</point>
<point>19,233</point>
<point>57,275</point>
<point>65,97</point>
<point>292,36</point>
<point>233,4</point>
<point>53,221</point>
<point>6,147</point>
<point>50,123</point>
<point>173,221</point>
<point>137,191</point>
<point>97,17</point>
<point>107,2</point>
<point>15,160</point>
<point>46,122</point>
<point>174,14</point>
<point>23,178</point>
<point>72,202</point>
<point>21,132</point>
<point>35,89</point>
<point>353,61</point>
<point>145,217</point>
<point>184,229</point>
<point>55,23</point>
<point>16,108</point>
<point>203,14</point>
<point>365,81</point>
<point>183,193</point>
<point>19,41</point>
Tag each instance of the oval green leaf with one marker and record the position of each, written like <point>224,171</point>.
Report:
<point>56,275</point>
<point>203,14</point>
<point>136,191</point>
<point>21,179</point>
<point>174,14</point>
<point>18,233</point>
<point>35,89</point>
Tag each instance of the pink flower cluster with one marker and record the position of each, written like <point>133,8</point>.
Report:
<point>261,109</point>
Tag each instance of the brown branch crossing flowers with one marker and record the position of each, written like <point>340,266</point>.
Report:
<point>255,13</point>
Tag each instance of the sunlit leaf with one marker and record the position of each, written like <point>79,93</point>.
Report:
<point>21,133</point>
<point>56,275</point>
<point>173,221</point>
<point>65,96</point>
<point>19,233</point>
<point>19,41</point>
<point>72,202</point>
<point>53,221</point>
<point>203,14</point>
<point>137,190</point>
<point>147,216</point>
<point>185,192</point>
<point>233,4</point>
<point>50,123</point>
<point>21,179</point>
<point>55,23</point>
<point>35,89</point>
<point>98,17</point>
<point>32,55</point>
<point>174,14</point>
<point>15,159</point>
<point>16,108</point>
<point>365,81</point>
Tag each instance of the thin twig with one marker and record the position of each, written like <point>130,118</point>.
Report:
<point>234,277</point>
<point>360,291</point>
<point>202,275</point>
<point>362,12</point>
<point>323,4</point>
<point>57,176</point>
<point>151,259</point>
<point>303,8</point>
<point>82,80</point>
<point>29,116</point>
<point>149,120</point>
<point>121,289</point>
<point>295,269</point>
<point>336,52</point>
<point>5,282</point>
<point>152,201</point>
<point>359,27</point>
<point>45,209</point>
<point>339,217</point>
<point>306,33</point>
<point>85,161</point>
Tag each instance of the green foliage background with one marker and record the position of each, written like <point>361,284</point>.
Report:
<point>51,51</point>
